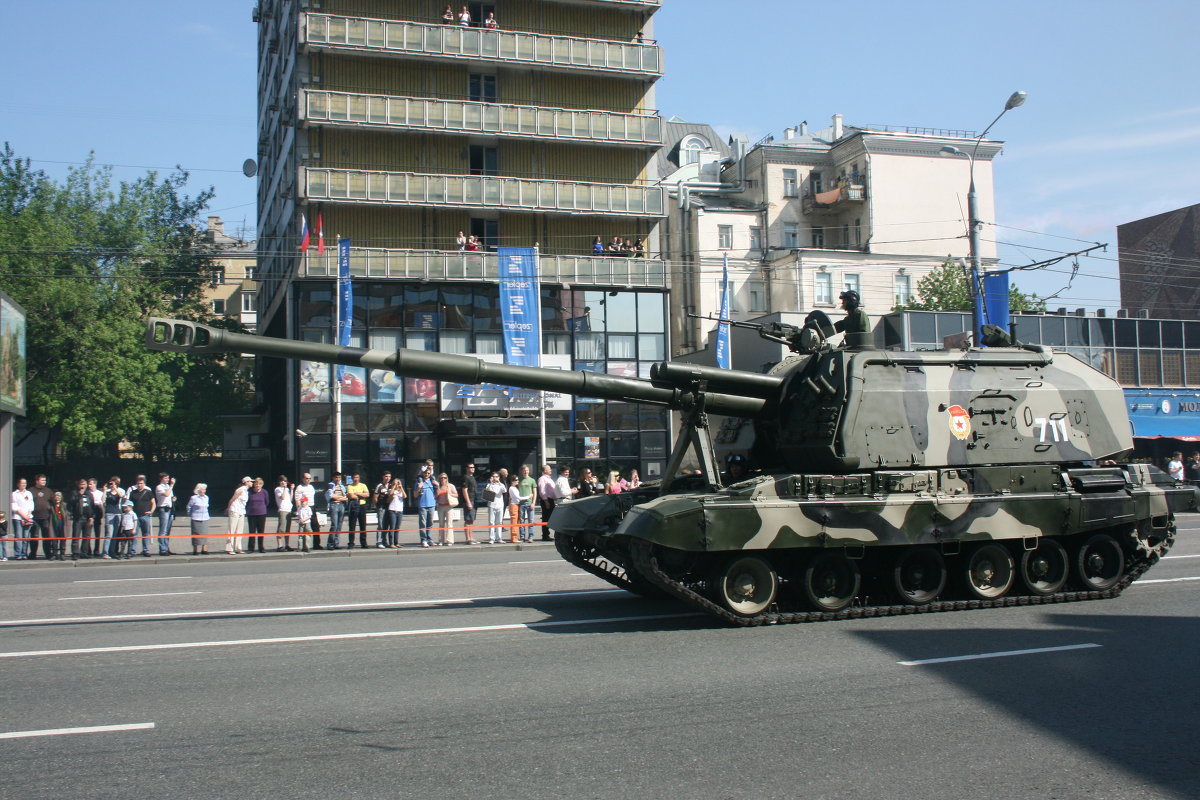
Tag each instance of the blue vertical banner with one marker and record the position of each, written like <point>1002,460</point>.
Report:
<point>345,302</point>
<point>723,359</point>
<point>995,299</point>
<point>519,314</point>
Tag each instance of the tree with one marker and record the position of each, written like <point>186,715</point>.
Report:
<point>89,262</point>
<point>948,288</point>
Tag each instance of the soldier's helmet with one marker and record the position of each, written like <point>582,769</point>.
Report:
<point>851,297</point>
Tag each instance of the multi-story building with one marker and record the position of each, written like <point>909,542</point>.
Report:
<point>381,123</point>
<point>1159,257</point>
<point>235,290</point>
<point>801,219</point>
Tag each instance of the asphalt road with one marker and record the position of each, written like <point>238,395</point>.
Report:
<point>505,673</point>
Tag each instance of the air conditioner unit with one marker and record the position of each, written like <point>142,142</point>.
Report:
<point>1081,312</point>
<point>1100,312</point>
<point>1143,313</point>
<point>315,78</point>
<point>1122,313</point>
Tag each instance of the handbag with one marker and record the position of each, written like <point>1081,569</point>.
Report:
<point>452,500</point>
<point>488,495</point>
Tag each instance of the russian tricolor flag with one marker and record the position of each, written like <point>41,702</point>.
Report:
<point>305,237</point>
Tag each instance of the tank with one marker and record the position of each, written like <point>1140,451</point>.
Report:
<point>861,482</point>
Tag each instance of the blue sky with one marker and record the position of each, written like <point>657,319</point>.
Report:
<point>1109,133</point>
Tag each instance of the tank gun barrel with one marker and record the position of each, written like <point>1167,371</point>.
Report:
<point>192,337</point>
<point>752,384</point>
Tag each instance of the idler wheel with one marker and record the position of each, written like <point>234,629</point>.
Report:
<point>1045,570</point>
<point>919,575</point>
<point>990,572</point>
<point>747,586</point>
<point>831,581</point>
<point>1100,563</point>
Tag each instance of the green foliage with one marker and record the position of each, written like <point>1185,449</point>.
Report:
<point>89,262</point>
<point>947,288</point>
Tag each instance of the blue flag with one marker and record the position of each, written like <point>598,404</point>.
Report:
<point>723,360</point>
<point>345,302</point>
<point>520,312</point>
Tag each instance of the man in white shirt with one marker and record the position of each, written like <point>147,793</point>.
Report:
<point>164,506</point>
<point>1175,466</point>
<point>22,521</point>
<point>547,495</point>
<point>237,513</point>
<point>308,492</point>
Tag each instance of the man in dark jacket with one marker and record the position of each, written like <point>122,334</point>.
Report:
<point>81,511</point>
<point>142,497</point>
<point>43,528</point>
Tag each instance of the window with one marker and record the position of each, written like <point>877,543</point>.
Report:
<point>690,149</point>
<point>251,273</point>
<point>487,231</point>
<point>824,288</point>
<point>482,88</point>
<point>858,231</point>
<point>484,160</point>
<point>814,179</point>
<point>756,238</point>
<point>818,237</point>
<point>790,183</point>
<point>850,283</point>
<point>725,237</point>
<point>756,292</point>
<point>249,303</point>
<point>791,235</point>
<point>218,276</point>
<point>903,286</point>
<point>218,306</point>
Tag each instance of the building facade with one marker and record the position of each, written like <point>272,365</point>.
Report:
<point>234,293</point>
<point>384,124</point>
<point>1159,257</point>
<point>800,219</point>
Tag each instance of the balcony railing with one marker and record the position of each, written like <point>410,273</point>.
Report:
<point>462,116</point>
<point>834,200</point>
<point>480,191</point>
<point>440,265</point>
<point>451,41</point>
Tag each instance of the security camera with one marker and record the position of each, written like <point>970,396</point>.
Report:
<point>300,432</point>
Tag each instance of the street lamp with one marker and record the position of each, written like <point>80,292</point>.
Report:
<point>973,223</point>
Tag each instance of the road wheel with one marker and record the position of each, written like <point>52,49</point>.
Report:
<point>747,586</point>
<point>831,581</point>
<point>1100,563</point>
<point>1045,570</point>
<point>919,575</point>
<point>990,572</point>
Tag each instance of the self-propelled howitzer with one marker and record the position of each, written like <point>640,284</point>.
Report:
<point>886,481</point>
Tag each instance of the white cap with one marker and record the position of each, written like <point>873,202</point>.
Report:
<point>247,479</point>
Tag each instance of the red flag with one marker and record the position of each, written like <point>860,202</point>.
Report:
<point>320,235</point>
<point>305,238</point>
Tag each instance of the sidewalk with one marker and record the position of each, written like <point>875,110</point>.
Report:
<point>181,544</point>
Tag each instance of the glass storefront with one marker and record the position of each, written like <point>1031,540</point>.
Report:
<point>392,423</point>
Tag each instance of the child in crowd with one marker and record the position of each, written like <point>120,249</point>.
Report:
<point>128,526</point>
<point>304,522</point>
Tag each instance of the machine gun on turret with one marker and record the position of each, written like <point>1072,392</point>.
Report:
<point>812,337</point>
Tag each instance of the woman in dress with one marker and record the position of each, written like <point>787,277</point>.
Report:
<point>257,500</point>
<point>445,510</point>
<point>197,511</point>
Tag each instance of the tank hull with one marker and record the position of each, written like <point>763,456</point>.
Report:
<point>1111,523</point>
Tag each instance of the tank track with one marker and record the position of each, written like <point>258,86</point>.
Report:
<point>590,560</point>
<point>645,561</point>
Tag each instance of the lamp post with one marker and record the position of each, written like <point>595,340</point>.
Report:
<point>973,222</point>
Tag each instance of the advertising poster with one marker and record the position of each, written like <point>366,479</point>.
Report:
<point>386,387</point>
<point>387,449</point>
<point>315,381</point>
<point>12,357</point>
<point>591,447</point>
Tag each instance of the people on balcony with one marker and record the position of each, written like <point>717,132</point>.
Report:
<point>639,249</point>
<point>461,241</point>
<point>598,247</point>
<point>464,17</point>
<point>491,21</point>
<point>448,16</point>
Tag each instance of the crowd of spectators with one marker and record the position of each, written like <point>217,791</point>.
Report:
<point>114,522</point>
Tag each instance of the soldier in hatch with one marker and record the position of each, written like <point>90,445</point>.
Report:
<point>856,326</point>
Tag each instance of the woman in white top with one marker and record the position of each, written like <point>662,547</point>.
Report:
<point>237,513</point>
<point>495,507</point>
<point>464,18</point>
<point>514,499</point>
<point>197,509</point>
<point>446,494</point>
<point>283,514</point>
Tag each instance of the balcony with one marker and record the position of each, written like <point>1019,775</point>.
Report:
<point>618,3</point>
<point>834,201</point>
<point>415,39</point>
<point>346,110</point>
<point>480,191</point>
<point>440,265</point>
